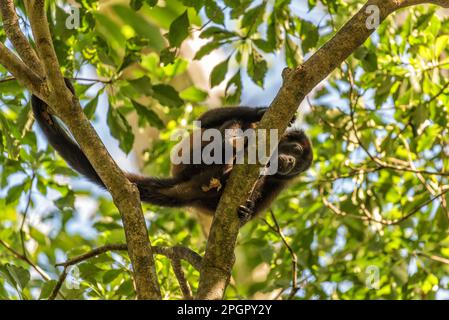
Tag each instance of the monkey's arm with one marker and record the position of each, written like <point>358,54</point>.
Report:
<point>216,117</point>
<point>260,198</point>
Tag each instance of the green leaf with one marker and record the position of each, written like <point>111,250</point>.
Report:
<point>91,106</point>
<point>21,276</point>
<point>193,94</point>
<point>89,271</point>
<point>148,115</point>
<point>168,55</point>
<point>368,59</point>
<point>179,30</point>
<point>257,67</point>
<point>214,12</point>
<point>234,89</point>
<point>136,4</point>
<point>142,85</point>
<point>111,275</point>
<point>47,289</point>
<point>253,17</point>
<point>151,3</point>
<point>14,193</point>
<point>217,33</point>
<point>441,44</point>
<point>144,29</point>
<point>206,49</point>
<point>167,95</point>
<point>125,289</point>
<point>120,129</point>
<point>197,4</point>
<point>218,74</point>
<point>309,35</point>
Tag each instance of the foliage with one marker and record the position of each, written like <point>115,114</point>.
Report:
<point>373,203</point>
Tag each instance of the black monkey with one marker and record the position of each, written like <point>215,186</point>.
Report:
<point>194,185</point>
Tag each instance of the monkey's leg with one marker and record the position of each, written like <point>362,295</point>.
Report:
<point>201,188</point>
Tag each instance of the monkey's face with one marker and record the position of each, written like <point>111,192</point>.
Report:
<point>294,154</point>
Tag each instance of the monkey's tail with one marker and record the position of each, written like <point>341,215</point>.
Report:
<point>60,140</point>
<point>152,190</point>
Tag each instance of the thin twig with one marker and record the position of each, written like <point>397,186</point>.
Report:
<point>24,258</point>
<point>59,284</point>
<point>175,254</point>
<point>183,283</point>
<point>17,38</point>
<point>368,217</point>
<point>277,229</point>
<point>179,252</point>
<point>24,216</point>
<point>433,257</point>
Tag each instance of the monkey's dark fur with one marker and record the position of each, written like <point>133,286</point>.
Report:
<point>194,185</point>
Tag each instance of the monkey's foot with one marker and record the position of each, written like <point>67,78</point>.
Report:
<point>246,212</point>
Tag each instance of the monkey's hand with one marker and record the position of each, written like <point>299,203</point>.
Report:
<point>246,212</point>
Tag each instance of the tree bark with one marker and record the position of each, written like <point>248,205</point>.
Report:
<point>219,257</point>
<point>51,88</point>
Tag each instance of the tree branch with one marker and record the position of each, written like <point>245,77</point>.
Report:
<point>277,230</point>
<point>219,257</point>
<point>24,258</point>
<point>44,44</point>
<point>176,252</point>
<point>21,71</point>
<point>183,283</point>
<point>65,105</point>
<point>17,38</point>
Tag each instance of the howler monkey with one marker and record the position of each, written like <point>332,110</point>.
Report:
<point>194,185</point>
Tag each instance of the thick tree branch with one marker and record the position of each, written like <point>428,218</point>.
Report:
<point>44,44</point>
<point>17,38</point>
<point>65,105</point>
<point>219,257</point>
<point>125,196</point>
<point>21,71</point>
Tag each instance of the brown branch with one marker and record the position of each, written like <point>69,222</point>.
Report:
<point>17,38</point>
<point>183,283</point>
<point>21,71</point>
<point>44,45</point>
<point>277,229</point>
<point>219,257</point>
<point>27,260</point>
<point>25,215</point>
<point>433,257</point>
<point>58,285</point>
<point>125,194</point>
<point>176,252</point>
